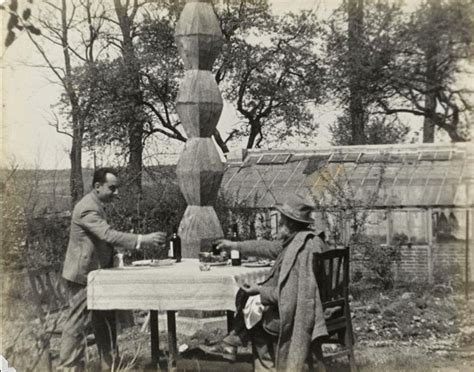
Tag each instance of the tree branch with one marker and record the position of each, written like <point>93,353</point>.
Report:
<point>55,124</point>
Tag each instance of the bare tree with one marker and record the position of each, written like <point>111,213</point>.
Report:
<point>61,21</point>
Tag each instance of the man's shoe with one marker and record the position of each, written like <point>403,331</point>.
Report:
<point>221,349</point>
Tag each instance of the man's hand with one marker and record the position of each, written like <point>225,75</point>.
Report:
<point>251,290</point>
<point>225,245</point>
<point>156,239</point>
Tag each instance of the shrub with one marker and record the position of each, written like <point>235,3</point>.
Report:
<point>34,237</point>
<point>449,274</point>
<point>379,259</point>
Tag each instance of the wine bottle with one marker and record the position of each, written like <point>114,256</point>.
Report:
<point>174,250</point>
<point>214,250</point>
<point>235,253</point>
<point>235,233</point>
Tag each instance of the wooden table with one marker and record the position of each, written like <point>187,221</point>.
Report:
<point>181,286</point>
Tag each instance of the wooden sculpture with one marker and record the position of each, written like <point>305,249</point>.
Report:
<point>199,105</point>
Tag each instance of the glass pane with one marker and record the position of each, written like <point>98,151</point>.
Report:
<point>334,223</point>
<point>443,155</point>
<point>336,157</point>
<point>352,156</point>
<point>426,155</point>
<point>409,227</point>
<point>449,225</point>
<point>266,159</point>
<point>281,158</point>
<point>417,227</point>
<point>376,226</point>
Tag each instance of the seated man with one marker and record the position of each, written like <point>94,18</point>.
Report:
<point>292,312</point>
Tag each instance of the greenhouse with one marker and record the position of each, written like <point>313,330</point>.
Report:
<point>418,195</point>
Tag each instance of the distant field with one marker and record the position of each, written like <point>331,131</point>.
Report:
<point>50,188</point>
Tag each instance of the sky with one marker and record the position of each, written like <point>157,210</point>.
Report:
<point>29,92</point>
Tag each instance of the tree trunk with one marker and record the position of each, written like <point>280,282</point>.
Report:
<point>431,78</point>
<point>76,183</point>
<point>134,96</point>
<point>428,122</point>
<point>254,131</point>
<point>135,163</point>
<point>356,105</point>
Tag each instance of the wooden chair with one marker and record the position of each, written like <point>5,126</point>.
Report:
<point>49,293</point>
<point>331,269</point>
<point>50,299</point>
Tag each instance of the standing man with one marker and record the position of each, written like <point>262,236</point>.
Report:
<point>287,301</point>
<point>91,246</point>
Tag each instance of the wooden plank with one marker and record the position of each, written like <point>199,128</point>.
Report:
<point>199,103</point>
<point>198,36</point>
<point>199,227</point>
<point>200,171</point>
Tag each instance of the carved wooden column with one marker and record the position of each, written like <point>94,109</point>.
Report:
<point>199,105</point>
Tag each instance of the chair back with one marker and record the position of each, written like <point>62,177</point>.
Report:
<point>331,269</point>
<point>48,290</point>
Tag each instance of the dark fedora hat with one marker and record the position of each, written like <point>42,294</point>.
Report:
<point>297,208</point>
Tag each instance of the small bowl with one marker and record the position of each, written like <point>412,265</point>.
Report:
<point>204,266</point>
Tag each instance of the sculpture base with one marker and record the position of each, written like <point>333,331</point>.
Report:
<point>199,227</point>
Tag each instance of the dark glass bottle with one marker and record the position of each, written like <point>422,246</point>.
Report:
<point>235,253</point>
<point>214,250</point>
<point>174,250</point>
<point>235,233</point>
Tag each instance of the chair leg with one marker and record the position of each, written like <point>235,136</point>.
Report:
<point>50,361</point>
<point>348,339</point>
<point>318,353</point>
<point>310,360</point>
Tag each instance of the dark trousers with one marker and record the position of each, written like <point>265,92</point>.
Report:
<point>239,336</point>
<point>264,349</point>
<point>79,322</point>
<point>263,343</point>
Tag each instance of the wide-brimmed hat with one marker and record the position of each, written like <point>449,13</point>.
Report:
<point>297,208</point>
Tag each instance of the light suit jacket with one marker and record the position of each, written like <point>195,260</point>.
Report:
<point>91,240</point>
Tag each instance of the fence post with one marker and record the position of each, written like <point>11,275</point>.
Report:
<point>429,225</point>
<point>466,285</point>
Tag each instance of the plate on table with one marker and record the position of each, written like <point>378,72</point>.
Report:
<point>166,262</point>
<point>221,263</point>
<point>256,264</point>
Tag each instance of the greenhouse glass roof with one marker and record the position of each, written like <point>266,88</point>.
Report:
<point>385,176</point>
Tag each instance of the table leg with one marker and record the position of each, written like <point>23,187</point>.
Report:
<point>155,340</point>
<point>172,342</point>
<point>230,320</point>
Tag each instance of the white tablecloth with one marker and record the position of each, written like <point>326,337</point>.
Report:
<point>181,286</point>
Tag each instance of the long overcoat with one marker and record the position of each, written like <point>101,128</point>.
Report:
<point>300,309</point>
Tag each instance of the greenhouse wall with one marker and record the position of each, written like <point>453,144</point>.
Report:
<point>443,263</point>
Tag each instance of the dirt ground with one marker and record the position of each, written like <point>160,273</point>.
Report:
<point>371,356</point>
<point>429,330</point>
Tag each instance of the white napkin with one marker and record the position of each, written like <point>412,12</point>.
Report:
<point>253,311</point>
